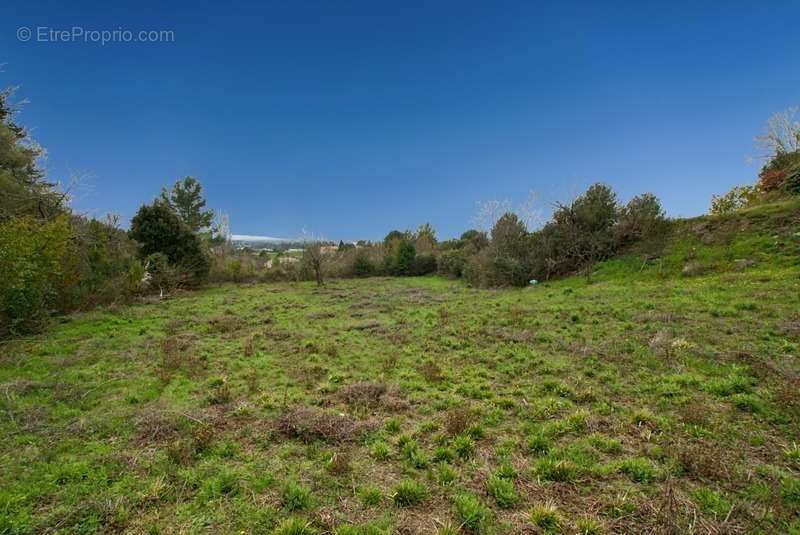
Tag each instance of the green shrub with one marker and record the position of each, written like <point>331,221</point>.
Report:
<point>362,265</point>
<point>451,263</point>
<point>32,255</point>
<point>737,198</point>
<point>423,264</point>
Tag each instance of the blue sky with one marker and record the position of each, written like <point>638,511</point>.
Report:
<point>353,118</point>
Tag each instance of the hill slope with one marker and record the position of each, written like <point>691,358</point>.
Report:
<point>661,395</point>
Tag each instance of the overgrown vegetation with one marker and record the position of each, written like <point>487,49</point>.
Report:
<point>650,398</point>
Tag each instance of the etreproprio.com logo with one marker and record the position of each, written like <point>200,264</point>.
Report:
<point>79,34</point>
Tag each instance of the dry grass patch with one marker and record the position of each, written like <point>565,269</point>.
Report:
<point>310,424</point>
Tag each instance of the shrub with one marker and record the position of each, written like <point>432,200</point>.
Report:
<point>362,265</point>
<point>737,198</point>
<point>31,258</point>
<point>451,263</point>
<point>781,173</point>
<point>423,264</point>
<point>408,493</point>
<point>640,218</point>
<point>474,516</point>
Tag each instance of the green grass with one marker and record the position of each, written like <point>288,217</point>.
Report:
<point>415,404</point>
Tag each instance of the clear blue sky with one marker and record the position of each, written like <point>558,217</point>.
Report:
<point>353,118</point>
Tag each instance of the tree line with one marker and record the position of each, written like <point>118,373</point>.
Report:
<point>55,261</point>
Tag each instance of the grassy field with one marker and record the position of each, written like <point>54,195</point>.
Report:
<point>659,396</point>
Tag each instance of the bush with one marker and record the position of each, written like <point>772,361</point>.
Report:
<point>642,217</point>
<point>423,264</point>
<point>362,265</point>
<point>159,230</point>
<point>781,173</point>
<point>31,258</point>
<point>737,198</point>
<point>403,261</point>
<point>451,263</point>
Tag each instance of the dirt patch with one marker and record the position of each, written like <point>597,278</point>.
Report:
<point>310,424</point>
<point>225,323</point>
<point>373,395</point>
<point>154,425</point>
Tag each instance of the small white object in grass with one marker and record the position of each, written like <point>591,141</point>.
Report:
<point>533,281</point>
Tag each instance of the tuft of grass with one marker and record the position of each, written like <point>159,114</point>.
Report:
<point>551,468</point>
<point>546,517</point>
<point>446,474</point>
<point>639,470</point>
<point>296,497</point>
<point>295,526</point>
<point>589,526</point>
<point>473,515</point>
<point>539,444</point>
<point>503,491</point>
<point>408,493</point>
<point>792,454</point>
<point>370,496</point>
<point>464,446</point>
<point>380,450</point>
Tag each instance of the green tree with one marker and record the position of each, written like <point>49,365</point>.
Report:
<point>159,230</point>
<point>404,258</point>
<point>186,199</point>
<point>24,191</point>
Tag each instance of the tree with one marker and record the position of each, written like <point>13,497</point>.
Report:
<point>24,191</point>
<point>313,259</point>
<point>425,239</point>
<point>186,199</point>
<point>781,134</point>
<point>159,230</point>
<point>404,258</point>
